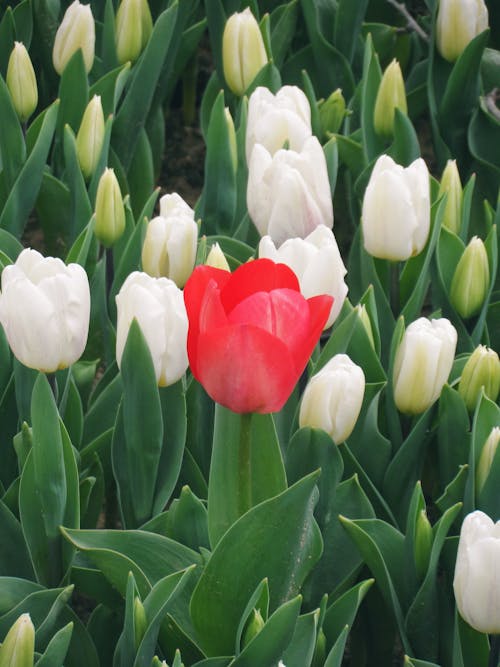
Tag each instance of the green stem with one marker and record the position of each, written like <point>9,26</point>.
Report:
<point>245,463</point>
<point>394,288</point>
<point>494,651</point>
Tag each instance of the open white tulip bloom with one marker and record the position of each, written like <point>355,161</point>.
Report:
<point>333,397</point>
<point>45,310</point>
<point>423,363</point>
<point>274,120</point>
<point>76,31</point>
<point>316,262</point>
<point>288,193</point>
<point>477,573</point>
<point>396,211</point>
<point>457,23</point>
<point>158,306</point>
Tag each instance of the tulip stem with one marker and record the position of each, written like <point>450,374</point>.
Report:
<point>394,288</point>
<point>494,651</point>
<point>245,463</point>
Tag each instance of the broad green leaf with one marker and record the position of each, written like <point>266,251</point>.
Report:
<point>14,555</point>
<point>300,651</point>
<point>57,648</point>
<point>453,436</point>
<point>343,611</point>
<point>12,147</point>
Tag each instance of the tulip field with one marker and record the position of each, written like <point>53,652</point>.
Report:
<point>254,423</point>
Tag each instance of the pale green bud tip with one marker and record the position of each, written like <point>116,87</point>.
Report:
<point>140,622</point>
<point>232,138</point>
<point>133,28</point>
<point>457,23</point>
<point>332,112</point>
<point>486,458</point>
<point>482,371</point>
<point>18,646</point>
<point>423,544</point>
<point>90,137</point>
<point>390,96</point>
<point>452,187</point>
<point>254,625</point>
<point>21,82</point>
<point>471,280</point>
<point>366,322</point>
<point>217,259</point>
<point>77,31</point>
<point>109,210</point>
<point>243,51</point>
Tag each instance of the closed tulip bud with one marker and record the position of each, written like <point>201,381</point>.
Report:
<point>288,193</point>
<point>21,82</point>
<point>18,648</point>
<point>332,112</point>
<point>316,262</point>
<point>396,209</point>
<point>77,31</point>
<point>333,397</point>
<point>232,138</point>
<point>169,247</point>
<point>482,371</point>
<point>90,137</point>
<point>365,320</point>
<point>140,622</point>
<point>243,51</point>
<point>216,258</point>
<point>486,457</point>
<point>423,363</point>
<point>471,279</point>
<point>133,29</point>
<point>158,306</point>
<point>254,625</point>
<point>452,187</point>
<point>477,573</point>
<point>276,120</point>
<point>109,210</point>
<point>390,96</point>
<point>423,544</point>
<point>45,310</point>
<point>457,23</point>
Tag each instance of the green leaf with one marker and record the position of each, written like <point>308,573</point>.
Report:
<point>300,650</point>
<point>14,554</point>
<point>349,18</point>
<point>283,23</point>
<point>372,75</point>
<point>453,437</point>
<point>12,147</point>
<point>405,148</point>
<point>343,611</point>
<point>81,209</point>
<point>334,658</point>
<point>57,648</point>
<point>110,87</point>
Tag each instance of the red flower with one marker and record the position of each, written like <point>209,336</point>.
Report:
<point>251,333</point>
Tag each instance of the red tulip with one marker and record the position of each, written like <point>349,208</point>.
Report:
<point>251,333</point>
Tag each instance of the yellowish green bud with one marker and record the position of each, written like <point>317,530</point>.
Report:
<point>486,458</point>
<point>482,371</point>
<point>21,82</point>
<point>254,625</point>
<point>457,23</point>
<point>332,112</point>
<point>452,187</point>
<point>77,31</point>
<point>471,279</point>
<point>243,51</point>
<point>140,622</point>
<point>390,96</point>
<point>18,648</point>
<point>90,137</point>
<point>109,210</point>
<point>423,544</point>
<point>366,322</point>
<point>217,259</point>
<point>232,138</point>
<point>133,29</point>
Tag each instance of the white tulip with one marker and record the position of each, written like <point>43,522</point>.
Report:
<point>274,120</point>
<point>396,209</point>
<point>288,193</point>
<point>158,306</point>
<point>333,397</point>
<point>477,573</point>
<point>457,23</point>
<point>77,31</point>
<point>316,262</point>
<point>45,310</point>
<point>243,51</point>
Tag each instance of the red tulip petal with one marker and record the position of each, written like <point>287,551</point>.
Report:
<point>259,275</point>
<point>319,310</point>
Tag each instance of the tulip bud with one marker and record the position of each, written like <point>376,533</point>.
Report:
<point>457,23</point>
<point>18,648</point>
<point>477,573</point>
<point>471,279</point>
<point>232,138</point>
<point>133,29</point>
<point>254,625</point>
<point>21,82</point>
<point>77,31</point>
<point>216,258</point>
<point>423,544</point>
<point>332,112</point>
<point>333,397</point>
<point>452,187</point>
<point>169,247</point>
<point>390,96</point>
<point>316,262</point>
<point>140,622</point>
<point>243,51</point>
<point>90,137</point>
<point>365,320</point>
<point>422,364</point>
<point>486,457</point>
<point>396,209</point>
<point>482,371</point>
<point>109,210</point>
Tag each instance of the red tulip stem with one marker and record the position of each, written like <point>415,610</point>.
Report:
<point>245,463</point>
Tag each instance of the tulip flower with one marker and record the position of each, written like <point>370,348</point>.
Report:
<point>396,209</point>
<point>486,458</point>
<point>243,51</point>
<point>452,187</point>
<point>77,31</point>
<point>316,262</point>
<point>332,112</point>
<point>276,120</point>
<point>21,82</point>
<point>45,310</point>
<point>169,247</point>
<point>133,29</point>
<point>90,137</point>
<point>457,23</point>
<point>158,307</point>
<point>109,210</point>
<point>482,371</point>
<point>18,647</point>
<point>251,333</point>
<point>390,96</point>
<point>471,279</point>
<point>216,258</point>
<point>422,364</point>
<point>288,193</point>
<point>477,573</point>
<point>333,397</point>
